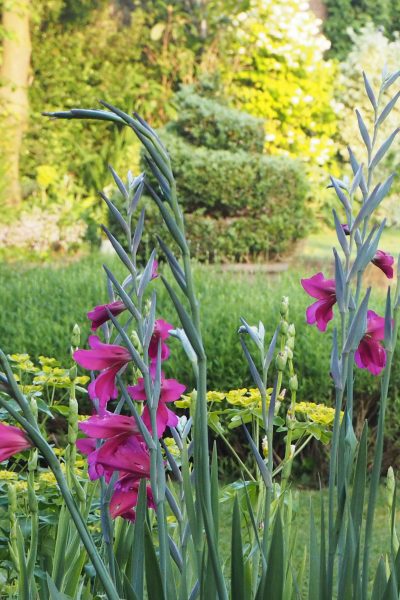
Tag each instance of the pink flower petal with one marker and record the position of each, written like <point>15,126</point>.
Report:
<point>12,441</point>
<point>99,315</point>
<point>319,287</point>
<point>108,425</point>
<point>320,313</point>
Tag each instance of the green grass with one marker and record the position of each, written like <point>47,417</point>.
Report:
<point>319,245</point>
<point>380,539</point>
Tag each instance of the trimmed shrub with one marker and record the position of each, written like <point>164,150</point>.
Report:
<point>205,122</point>
<point>239,205</point>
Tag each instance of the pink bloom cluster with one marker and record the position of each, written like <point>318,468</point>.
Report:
<point>123,451</point>
<point>370,353</point>
<point>113,442</point>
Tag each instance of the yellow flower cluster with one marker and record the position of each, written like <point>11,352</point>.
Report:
<point>7,475</point>
<point>318,413</point>
<point>245,397</point>
<point>172,447</point>
<point>49,374</point>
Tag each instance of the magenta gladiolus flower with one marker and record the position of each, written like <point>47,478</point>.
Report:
<point>161,332</point>
<point>12,441</point>
<point>99,315</point>
<point>107,358</point>
<point>324,290</point>
<point>124,453</point>
<point>384,262</point>
<point>370,354</point>
<point>102,427</point>
<point>125,497</point>
<point>170,391</point>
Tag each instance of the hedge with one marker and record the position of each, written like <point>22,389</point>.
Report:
<point>238,206</point>
<point>205,122</point>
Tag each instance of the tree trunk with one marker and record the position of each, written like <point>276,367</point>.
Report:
<point>14,104</point>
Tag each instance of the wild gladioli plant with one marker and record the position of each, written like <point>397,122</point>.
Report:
<point>146,524</point>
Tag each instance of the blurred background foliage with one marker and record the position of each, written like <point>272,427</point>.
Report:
<point>185,65</point>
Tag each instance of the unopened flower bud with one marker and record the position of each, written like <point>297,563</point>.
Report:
<point>281,361</point>
<point>293,383</point>
<point>289,352</point>
<point>72,420</point>
<point>264,446</point>
<point>283,328</point>
<point>284,309</point>
<point>292,450</point>
<point>32,500</point>
<point>390,487</point>
<point>12,499</point>
<point>33,460</point>
<point>292,330</point>
<point>147,307</point>
<point>34,408</point>
<point>290,342</point>
<point>136,341</point>
<point>73,372</point>
<point>76,336</point>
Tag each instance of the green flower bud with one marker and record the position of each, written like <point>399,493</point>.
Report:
<point>390,487</point>
<point>147,307</point>
<point>293,383</point>
<point>284,309</point>
<point>281,361</point>
<point>72,421</point>
<point>12,499</point>
<point>33,460</point>
<point>32,500</point>
<point>73,373</point>
<point>136,341</point>
<point>290,342</point>
<point>34,407</point>
<point>264,446</point>
<point>289,352</point>
<point>283,328</point>
<point>291,330</point>
<point>76,336</point>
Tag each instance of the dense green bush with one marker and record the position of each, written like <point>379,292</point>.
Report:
<point>383,14</point>
<point>205,122</point>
